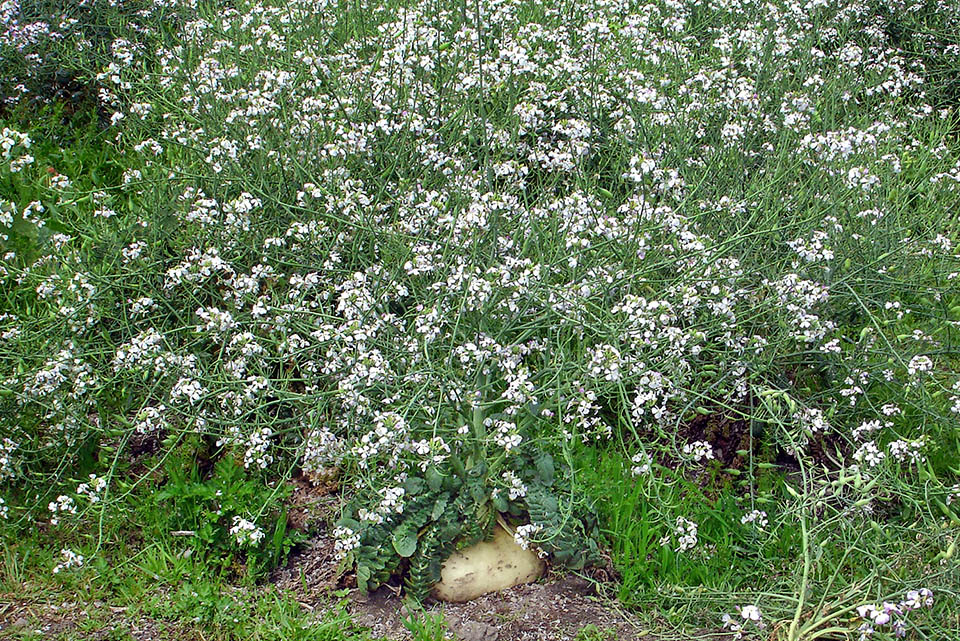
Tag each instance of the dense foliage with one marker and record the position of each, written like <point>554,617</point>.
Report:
<point>443,254</point>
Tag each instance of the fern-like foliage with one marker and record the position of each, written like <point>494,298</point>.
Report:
<point>563,533</point>
<point>446,512</point>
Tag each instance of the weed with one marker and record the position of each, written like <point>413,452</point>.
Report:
<point>678,278</point>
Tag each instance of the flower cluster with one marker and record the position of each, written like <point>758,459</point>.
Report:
<point>93,490</point>
<point>757,517</point>
<point>686,533</point>
<point>642,463</point>
<point>523,533</point>
<point>62,505</point>
<point>246,533</point>
<point>698,451</point>
<point>13,149</point>
<point>345,541</point>
<point>892,614</point>
<point>68,559</point>
<point>747,616</point>
<point>515,487</point>
<point>7,447</point>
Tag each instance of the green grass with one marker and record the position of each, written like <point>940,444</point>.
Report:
<point>166,590</point>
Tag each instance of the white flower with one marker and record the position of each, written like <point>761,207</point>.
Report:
<point>757,517</point>
<point>393,501</point>
<point>750,612</point>
<point>686,533</point>
<point>7,447</point>
<point>506,435</point>
<point>70,559</point>
<point>515,487</point>
<point>908,451</point>
<point>93,489</point>
<point>879,615</point>
<point>915,599</point>
<point>919,364</point>
<point>641,464</point>
<point>523,533</point>
<point>188,388</point>
<point>749,615</point>
<point>870,454</point>
<point>345,540</point>
<point>246,533</point>
<point>63,504</point>
<point>698,450</point>
<point>812,420</point>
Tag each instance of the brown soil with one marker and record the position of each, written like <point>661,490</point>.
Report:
<point>554,609</point>
<point>72,620</point>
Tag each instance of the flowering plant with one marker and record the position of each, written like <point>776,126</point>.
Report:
<point>423,255</point>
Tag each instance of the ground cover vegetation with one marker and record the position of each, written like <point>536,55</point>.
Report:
<point>674,282</point>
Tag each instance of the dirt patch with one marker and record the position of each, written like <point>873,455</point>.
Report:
<point>725,434</point>
<point>71,620</point>
<point>313,503</point>
<point>557,609</point>
<point>554,609</point>
<point>311,572</point>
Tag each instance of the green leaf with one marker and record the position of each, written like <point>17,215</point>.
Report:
<point>478,493</point>
<point>414,485</point>
<point>448,533</point>
<point>434,479</point>
<point>457,465</point>
<point>438,508</point>
<point>404,541</point>
<point>479,470</point>
<point>278,535</point>
<point>363,576</point>
<point>545,469</point>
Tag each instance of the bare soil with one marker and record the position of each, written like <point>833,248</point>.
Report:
<point>553,609</point>
<point>72,620</point>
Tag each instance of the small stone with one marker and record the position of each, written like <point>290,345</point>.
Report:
<point>21,622</point>
<point>476,631</point>
<point>360,596</point>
